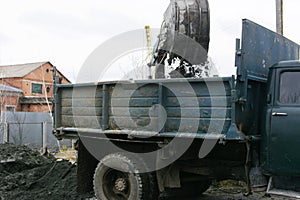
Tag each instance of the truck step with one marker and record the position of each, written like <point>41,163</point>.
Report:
<point>284,186</point>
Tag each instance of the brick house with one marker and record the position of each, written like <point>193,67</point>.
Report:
<point>9,98</point>
<point>35,81</point>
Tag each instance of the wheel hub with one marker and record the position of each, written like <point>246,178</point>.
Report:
<point>120,184</point>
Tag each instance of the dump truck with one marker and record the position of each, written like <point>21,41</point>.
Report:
<point>169,137</point>
<point>141,139</point>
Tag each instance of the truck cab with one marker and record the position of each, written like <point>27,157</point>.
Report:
<point>281,137</point>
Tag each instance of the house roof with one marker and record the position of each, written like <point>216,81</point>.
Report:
<point>7,88</point>
<point>20,70</point>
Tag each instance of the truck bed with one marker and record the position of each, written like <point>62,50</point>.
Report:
<point>188,107</point>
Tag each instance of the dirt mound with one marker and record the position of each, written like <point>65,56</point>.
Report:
<point>25,174</point>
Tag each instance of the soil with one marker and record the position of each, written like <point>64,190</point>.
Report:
<point>26,174</point>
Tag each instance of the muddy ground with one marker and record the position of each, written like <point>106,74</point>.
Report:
<point>26,174</point>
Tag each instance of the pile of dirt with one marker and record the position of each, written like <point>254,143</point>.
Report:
<point>25,174</point>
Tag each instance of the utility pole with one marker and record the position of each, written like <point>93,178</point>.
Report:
<point>279,16</point>
<point>150,50</point>
<point>149,44</point>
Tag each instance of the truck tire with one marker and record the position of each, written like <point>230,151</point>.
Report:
<point>112,183</point>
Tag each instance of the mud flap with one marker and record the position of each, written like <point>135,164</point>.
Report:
<point>284,186</point>
<point>85,170</point>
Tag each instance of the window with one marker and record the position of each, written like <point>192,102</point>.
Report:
<point>48,89</point>
<point>36,88</point>
<point>289,88</point>
<point>10,108</point>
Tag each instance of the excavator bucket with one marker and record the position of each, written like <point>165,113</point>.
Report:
<point>186,22</point>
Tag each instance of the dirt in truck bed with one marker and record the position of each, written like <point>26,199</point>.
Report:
<point>26,174</point>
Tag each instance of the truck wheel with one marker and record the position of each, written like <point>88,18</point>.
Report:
<point>112,183</point>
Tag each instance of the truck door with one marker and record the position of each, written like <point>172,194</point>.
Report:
<point>284,137</point>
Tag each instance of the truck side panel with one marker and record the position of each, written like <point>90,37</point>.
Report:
<point>82,108</point>
<point>138,106</point>
<point>196,106</point>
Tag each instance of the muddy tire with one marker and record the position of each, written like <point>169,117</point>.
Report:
<point>115,183</point>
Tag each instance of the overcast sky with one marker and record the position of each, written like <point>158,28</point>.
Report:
<point>65,32</point>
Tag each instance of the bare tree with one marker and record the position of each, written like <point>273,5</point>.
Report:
<point>137,68</point>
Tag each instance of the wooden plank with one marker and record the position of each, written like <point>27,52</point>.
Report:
<point>88,91</point>
<point>200,89</point>
<point>133,111</point>
<point>173,112</point>
<point>202,102</point>
<point>81,121</point>
<point>127,91</point>
<point>134,123</point>
<point>213,89</point>
<point>200,112</point>
<point>133,102</point>
<point>172,124</point>
<point>81,102</point>
<point>205,125</point>
<point>82,111</point>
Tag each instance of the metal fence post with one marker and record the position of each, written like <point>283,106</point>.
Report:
<point>6,133</point>
<point>44,132</point>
